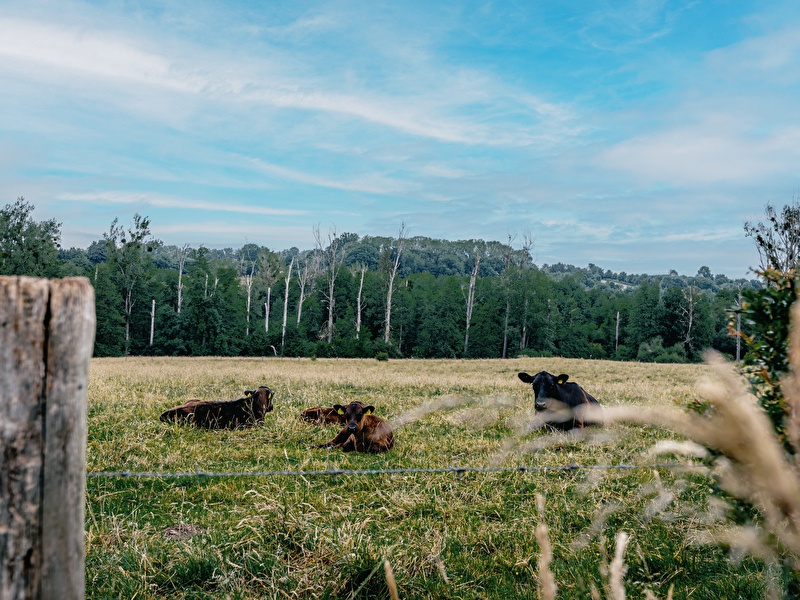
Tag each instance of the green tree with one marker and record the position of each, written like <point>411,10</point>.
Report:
<point>201,319</point>
<point>644,316</point>
<point>439,333</point>
<point>110,328</point>
<point>128,253</point>
<point>28,247</point>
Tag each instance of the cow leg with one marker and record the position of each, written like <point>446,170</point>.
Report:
<point>336,442</point>
<point>350,445</point>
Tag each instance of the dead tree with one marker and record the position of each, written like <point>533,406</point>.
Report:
<point>690,295</point>
<point>359,304</point>
<point>398,250</point>
<point>182,254</point>
<point>269,271</point>
<point>286,303</point>
<point>306,277</point>
<point>471,296</point>
<point>334,257</point>
<point>247,271</point>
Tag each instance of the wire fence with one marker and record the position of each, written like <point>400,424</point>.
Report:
<point>396,471</point>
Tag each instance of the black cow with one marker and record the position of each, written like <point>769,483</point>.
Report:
<point>219,414</point>
<point>561,404</point>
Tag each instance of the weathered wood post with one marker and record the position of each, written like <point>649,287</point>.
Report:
<point>46,341</point>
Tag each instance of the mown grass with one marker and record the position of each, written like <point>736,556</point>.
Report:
<point>446,535</point>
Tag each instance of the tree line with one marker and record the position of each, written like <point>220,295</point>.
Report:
<point>370,296</point>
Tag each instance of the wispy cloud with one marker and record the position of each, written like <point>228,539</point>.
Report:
<point>158,201</point>
<point>372,184</point>
<point>53,52</point>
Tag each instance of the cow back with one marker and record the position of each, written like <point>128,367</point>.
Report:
<point>377,434</point>
<point>574,395</point>
<point>320,414</point>
<point>219,414</point>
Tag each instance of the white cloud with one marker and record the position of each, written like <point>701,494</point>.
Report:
<point>718,151</point>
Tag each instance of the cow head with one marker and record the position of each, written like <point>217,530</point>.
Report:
<point>263,395</point>
<point>354,414</point>
<point>545,387</point>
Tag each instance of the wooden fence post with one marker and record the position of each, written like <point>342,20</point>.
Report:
<point>46,341</point>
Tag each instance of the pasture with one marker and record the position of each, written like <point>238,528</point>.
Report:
<point>445,534</point>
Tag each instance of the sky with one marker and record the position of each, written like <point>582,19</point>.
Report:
<point>637,135</point>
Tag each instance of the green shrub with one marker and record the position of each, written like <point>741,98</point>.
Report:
<point>765,316</point>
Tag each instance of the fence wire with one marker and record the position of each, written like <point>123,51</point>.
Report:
<point>396,471</point>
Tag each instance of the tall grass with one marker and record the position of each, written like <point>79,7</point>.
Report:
<point>416,535</point>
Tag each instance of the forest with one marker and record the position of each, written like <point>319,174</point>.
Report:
<point>366,296</point>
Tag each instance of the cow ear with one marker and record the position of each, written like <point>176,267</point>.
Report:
<point>562,378</point>
<point>339,409</point>
<point>368,410</point>
<point>249,392</point>
<point>525,377</point>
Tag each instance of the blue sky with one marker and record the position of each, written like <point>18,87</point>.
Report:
<point>635,135</point>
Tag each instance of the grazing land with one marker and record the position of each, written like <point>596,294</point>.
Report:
<point>445,534</point>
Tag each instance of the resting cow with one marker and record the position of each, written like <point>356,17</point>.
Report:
<point>561,404</point>
<point>217,414</point>
<point>364,431</point>
<point>323,415</point>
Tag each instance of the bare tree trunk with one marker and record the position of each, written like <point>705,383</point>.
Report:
<point>471,297</point>
<point>286,304</point>
<point>302,285</point>
<point>152,320</point>
<point>359,306</point>
<point>182,254</point>
<point>689,295</point>
<point>392,275</point>
<point>505,329</point>
<point>305,279</point>
<point>739,328</point>
<point>523,340</point>
<point>128,311</point>
<point>616,334</point>
<point>269,306</point>
<point>507,285</point>
<point>248,273</point>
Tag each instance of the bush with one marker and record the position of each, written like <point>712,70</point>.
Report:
<point>766,319</point>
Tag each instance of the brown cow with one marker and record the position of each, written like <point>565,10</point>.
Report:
<point>218,414</point>
<point>322,415</point>
<point>364,431</point>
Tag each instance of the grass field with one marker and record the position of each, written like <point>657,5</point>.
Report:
<point>445,535</point>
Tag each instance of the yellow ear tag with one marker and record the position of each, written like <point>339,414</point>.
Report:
<point>560,381</point>
<point>367,412</point>
<point>340,411</point>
